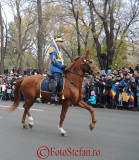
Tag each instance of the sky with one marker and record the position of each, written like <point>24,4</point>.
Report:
<point>6,12</point>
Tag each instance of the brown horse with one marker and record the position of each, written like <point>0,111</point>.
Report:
<point>73,91</point>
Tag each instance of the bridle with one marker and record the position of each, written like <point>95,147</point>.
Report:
<point>85,63</point>
<point>91,70</point>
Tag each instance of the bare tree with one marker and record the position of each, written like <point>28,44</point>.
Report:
<point>20,50</point>
<point>76,17</point>
<point>21,33</point>
<point>95,36</point>
<point>106,15</point>
<point>2,42</point>
<point>40,36</point>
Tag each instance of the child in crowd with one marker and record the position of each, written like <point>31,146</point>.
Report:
<point>92,100</point>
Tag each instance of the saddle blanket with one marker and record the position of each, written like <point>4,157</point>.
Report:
<point>45,85</point>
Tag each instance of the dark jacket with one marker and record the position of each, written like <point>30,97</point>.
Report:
<point>100,85</point>
<point>108,86</point>
<point>87,93</point>
<point>133,86</point>
<point>95,87</point>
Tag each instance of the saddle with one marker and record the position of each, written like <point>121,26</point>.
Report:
<point>47,84</point>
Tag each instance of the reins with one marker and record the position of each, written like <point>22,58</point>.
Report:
<point>76,73</point>
<point>90,70</point>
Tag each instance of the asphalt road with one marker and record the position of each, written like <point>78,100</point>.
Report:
<point>115,137</point>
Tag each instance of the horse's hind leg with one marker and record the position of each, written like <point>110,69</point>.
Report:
<point>31,121</point>
<point>27,106</point>
<point>24,117</point>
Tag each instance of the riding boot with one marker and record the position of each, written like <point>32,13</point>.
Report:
<point>54,97</point>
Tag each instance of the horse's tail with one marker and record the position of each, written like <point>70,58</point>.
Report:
<point>17,96</point>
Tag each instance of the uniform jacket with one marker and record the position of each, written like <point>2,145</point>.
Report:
<point>56,63</point>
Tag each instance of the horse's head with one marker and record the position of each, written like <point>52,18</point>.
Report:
<point>85,63</point>
<point>89,65</point>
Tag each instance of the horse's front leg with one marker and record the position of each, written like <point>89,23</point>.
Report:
<point>82,104</point>
<point>65,107</point>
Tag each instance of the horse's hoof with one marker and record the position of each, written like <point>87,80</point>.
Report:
<point>25,126</point>
<point>64,134</point>
<point>31,126</point>
<point>91,127</point>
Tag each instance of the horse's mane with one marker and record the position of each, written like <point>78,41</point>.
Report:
<point>68,68</point>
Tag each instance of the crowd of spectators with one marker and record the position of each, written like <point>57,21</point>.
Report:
<point>114,89</point>
<point>8,81</point>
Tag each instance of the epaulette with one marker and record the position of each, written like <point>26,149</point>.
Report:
<point>51,50</point>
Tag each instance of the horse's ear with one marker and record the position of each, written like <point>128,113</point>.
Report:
<point>87,54</point>
<point>76,58</point>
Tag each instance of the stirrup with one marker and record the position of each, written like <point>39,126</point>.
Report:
<point>54,98</point>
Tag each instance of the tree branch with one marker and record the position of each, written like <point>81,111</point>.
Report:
<point>67,53</point>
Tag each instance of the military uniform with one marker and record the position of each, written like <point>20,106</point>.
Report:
<point>56,68</point>
<point>56,63</point>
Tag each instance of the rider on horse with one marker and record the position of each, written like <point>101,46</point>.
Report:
<point>57,68</point>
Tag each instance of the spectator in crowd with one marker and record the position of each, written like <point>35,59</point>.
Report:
<point>92,100</point>
<point>87,89</point>
<point>4,91</point>
<point>101,88</point>
<point>107,87</point>
<point>137,67</point>
<point>137,81</point>
<point>94,87</point>
<point>113,76</point>
<point>117,82</point>
<point>122,75</point>
<point>125,98</point>
<point>9,90</point>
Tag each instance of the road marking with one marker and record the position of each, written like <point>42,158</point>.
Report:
<point>32,109</point>
<point>0,117</point>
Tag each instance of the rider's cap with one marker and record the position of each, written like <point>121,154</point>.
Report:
<point>58,39</point>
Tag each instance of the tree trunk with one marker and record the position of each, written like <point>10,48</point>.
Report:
<point>2,43</point>
<point>76,17</point>
<point>40,37</point>
<point>110,36</point>
<point>109,32</point>
<point>78,35</point>
<point>93,30</point>
<point>20,51</point>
